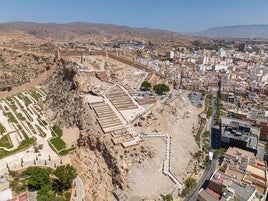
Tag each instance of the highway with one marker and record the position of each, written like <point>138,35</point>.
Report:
<point>202,182</point>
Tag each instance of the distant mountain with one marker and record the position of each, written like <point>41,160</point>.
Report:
<point>83,31</point>
<point>239,31</point>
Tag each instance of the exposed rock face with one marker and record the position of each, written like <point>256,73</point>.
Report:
<point>98,183</point>
<point>18,67</point>
<point>65,106</point>
<point>63,102</point>
<point>87,85</point>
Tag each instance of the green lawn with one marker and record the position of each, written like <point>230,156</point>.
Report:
<point>20,96</point>
<point>42,122</point>
<point>31,127</point>
<point>42,90</point>
<point>41,132</point>
<point>24,134</point>
<point>11,117</point>
<point>13,106</point>
<point>22,118</point>
<point>37,109</point>
<point>66,151</point>
<point>2,129</point>
<point>35,94</point>
<point>26,100</point>
<point>58,143</point>
<point>4,142</point>
<point>57,130</point>
<point>24,144</point>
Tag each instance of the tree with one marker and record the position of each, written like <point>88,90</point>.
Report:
<point>189,183</point>
<point>68,195</point>
<point>219,152</point>
<point>209,112</point>
<point>65,174</point>
<point>39,177</point>
<point>146,86</point>
<point>168,197</point>
<point>185,191</point>
<point>45,194</point>
<point>160,88</point>
<point>206,133</point>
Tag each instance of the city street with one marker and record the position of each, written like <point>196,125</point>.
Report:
<point>202,182</point>
<point>214,129</point>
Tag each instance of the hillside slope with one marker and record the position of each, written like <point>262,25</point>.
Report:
<point>83,31</point>
<point>240,31</point>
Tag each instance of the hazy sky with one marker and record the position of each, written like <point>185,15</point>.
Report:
<point>174,15</point>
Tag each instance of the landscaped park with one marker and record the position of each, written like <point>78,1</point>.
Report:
<point>23,124</point>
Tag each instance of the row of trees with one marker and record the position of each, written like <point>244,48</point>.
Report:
<point>158,88</point>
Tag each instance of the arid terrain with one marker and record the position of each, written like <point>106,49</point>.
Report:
<point>114,159</point>
<point>23,58</point>
<point>94,33</point>
<point>136,170</point>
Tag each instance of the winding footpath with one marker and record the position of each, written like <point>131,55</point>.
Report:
<point>166,165</point>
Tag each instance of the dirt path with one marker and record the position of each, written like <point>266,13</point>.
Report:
<point>28,85</point>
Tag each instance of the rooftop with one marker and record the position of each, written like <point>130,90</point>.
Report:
<point>206,195</point>
<point>220,177</point>
<point>261,173</point>
<point>235,174</point>
<point>243,192</point>
<point>213,193</point>
<point>240,130</point>
<point>237,152</point>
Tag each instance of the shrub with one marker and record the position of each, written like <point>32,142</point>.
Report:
<point>2,129</point>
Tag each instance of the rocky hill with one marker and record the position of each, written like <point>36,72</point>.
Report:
<point>65,107</point>
<point>83,31</point>
<point>240,31</point>
<point>104,167</point>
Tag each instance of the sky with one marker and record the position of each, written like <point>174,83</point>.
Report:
<point>183,16</point>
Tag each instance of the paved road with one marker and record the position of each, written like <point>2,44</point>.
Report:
<point>215,134</point>
<point>202,182</point>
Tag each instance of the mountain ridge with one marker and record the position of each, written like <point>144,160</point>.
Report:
<point>70,31</point>
<point>236,31</point>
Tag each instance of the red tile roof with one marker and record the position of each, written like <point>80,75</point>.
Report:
<point>213,193</point>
